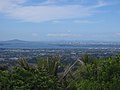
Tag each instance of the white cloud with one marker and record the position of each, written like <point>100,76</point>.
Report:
<point>35,35</point>
<point>56,21</point>
<point>102,3</point>
<point>118,34</point>
<point>84,21</point>
<point>41,12</point>
<point>63,35</point>
<point>8,5</point>
<point>47,13</point>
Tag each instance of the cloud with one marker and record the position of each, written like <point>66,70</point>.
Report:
<point>79,21</point>
<point>118,34</point>
<point>35,34</point>
<point>47,13</point>
<point>63,35</point>
<point>56,21</point>
<point>102,3</point>
<point>42,12</point>
<point>84,21</point>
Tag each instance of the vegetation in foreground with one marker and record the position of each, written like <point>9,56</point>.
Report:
<point>49,74</point>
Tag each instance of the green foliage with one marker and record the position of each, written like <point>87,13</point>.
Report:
<point>49,64</point>
<point>24,64</point>
<point>3,67</point>
<point>103,75</point>
<point>21,79</point>
<point>87,59</point>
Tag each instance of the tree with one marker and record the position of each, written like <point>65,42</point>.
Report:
<point>103,75</point>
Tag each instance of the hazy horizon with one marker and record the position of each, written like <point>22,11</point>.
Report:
<point>57,20</point>
<point>60,40</point>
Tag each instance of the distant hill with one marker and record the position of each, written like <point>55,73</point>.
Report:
<point>13,41</point>
<point>16,43</point>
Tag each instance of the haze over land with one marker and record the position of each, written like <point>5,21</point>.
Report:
<point>52,20</point>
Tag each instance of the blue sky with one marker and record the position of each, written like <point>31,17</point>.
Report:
<point>50,20</point>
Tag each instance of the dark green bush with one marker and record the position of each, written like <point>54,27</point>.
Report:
<point>21,79</point>
<point>102,75</point>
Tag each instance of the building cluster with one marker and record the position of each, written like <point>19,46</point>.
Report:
<point>66,55</point>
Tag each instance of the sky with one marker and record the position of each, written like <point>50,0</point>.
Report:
<point>54,20</point>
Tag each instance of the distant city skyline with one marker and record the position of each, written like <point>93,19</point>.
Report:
<point>52,20</point>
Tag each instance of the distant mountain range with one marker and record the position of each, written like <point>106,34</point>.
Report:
<point>22,44</point>
<point>57,44</point>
